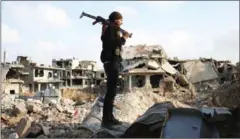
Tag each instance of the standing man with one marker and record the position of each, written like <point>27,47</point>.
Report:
<point>111,57</point>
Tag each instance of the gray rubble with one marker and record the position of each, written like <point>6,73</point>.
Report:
<point>73,113</point>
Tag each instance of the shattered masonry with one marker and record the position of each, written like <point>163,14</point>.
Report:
<point>26,77</point>
<point>62,100</point>
<point>143,66</point>
<point>149,66</point>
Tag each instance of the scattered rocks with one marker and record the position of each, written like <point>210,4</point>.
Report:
<point>33,107</point>
<point>45,130</point>
<point>23,126</point>
<point>13,136</point>
<point>227,95</point>
<point>59,108</point>
<point>19,109</point>
<point>32,119</point>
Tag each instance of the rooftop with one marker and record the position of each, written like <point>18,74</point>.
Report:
<point>138,51</point>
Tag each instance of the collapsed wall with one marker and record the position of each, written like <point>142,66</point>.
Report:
<point>227,95</point>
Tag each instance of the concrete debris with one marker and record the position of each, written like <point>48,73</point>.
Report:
<point>32,118</point>
<point>13,136</point>
<point>23,126</point>
<point>19,109</point>
<point>46,130</point>
<point>33,106</point>
<point>40,109</point>
<point>227,95</point>
<point>69,119</point>
<point>59,108</point>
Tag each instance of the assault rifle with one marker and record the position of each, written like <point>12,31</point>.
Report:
<point>102,20</point>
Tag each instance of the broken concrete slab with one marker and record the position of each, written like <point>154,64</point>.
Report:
<point>46,130</point>
<point>19,109</point>
<point>167,67</point>
<point>33,107</point>
<point>14,120</point>
<point>59,107</point>
<point>23,126</point>
<point>13,136</point>
<point>34,131</point>
<point>198,71</point>
<point>216,114</point>
<point>153,64</point>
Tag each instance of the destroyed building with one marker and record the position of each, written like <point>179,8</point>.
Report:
<point>43,77</point>
<point>206,71</point>
<point>149,67</point>
<point>143,66</point>
<point>79,74</point>
<point>100,77</point>
<point>15,75</point>
<point>25,76</point>
<point>146,66</point>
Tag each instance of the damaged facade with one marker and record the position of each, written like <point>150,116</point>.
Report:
<point>149,67</point>
<point>24,76</point>
<point>143,67</point>
<point>78,73</point>
<point>205,72</point>
<point>15,76</point>
<point>44,77</point>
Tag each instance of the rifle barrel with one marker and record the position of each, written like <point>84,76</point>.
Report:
<point>88,15</point>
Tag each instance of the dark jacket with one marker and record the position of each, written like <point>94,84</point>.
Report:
<point>111,40</point>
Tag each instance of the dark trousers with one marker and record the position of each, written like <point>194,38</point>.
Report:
<point>111,70</point>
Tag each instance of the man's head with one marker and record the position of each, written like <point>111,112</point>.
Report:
<point>116,17</point>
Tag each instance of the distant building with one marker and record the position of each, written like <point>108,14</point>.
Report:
<point>144,66</point>
<point>24,76</point>
<point>77,73</point>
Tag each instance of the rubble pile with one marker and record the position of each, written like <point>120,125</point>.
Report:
<point>64,120</point>
<point>227,95</point>
<point>78,95</point>
<point>127,108</point>
<point>137,102</point>
<point>32,118</point>
<point>181,94</point>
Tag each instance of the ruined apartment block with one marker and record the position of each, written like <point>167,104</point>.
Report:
<point>15,75</point>
<point>25,76</point>
<point>144,66</point>
<point>208,72</point>
<point>44,77</point>
<point>149,67</point>
<point>77,73</point>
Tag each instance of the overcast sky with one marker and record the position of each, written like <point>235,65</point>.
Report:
<point>47,30</point>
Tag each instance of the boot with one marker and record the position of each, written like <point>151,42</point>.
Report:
<point>114,121</point>
<point>110,123</point>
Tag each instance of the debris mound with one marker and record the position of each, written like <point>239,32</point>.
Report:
<point>137,102</point>
<point>227,95</point>
<point>32,118</point>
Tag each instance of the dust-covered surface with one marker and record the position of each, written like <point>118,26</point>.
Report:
<point>133,104</point>
<point>227,95</point>
<point>56,119</point>
<point>64,119</point>
<point>67,118</point>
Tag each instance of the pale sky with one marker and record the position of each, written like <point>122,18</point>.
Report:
<point>44,30</point>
